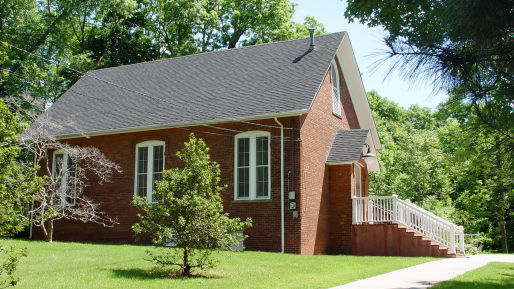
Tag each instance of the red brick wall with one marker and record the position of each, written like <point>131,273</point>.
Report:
<point>117,195</point>
<point>341,188</point>
<point>322,213</point>
<point>317,132</point>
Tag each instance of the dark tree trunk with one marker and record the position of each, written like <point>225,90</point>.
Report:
<point>503,234</point>
<point>500,192</point>
<point>50,231</point>
<point>187,268</point>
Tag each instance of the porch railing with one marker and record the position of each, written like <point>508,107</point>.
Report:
<point>390,209</point>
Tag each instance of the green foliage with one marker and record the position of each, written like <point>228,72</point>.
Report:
<point>18,182</point>
<point>103,33</point>
<point>441,161</point>
<point>483,179</point>
<point>18,185</point>
<point>465,47</point>
<point>412,161</point>
<point>9,260</point>
<point>190,213</point>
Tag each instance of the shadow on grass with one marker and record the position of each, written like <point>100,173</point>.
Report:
<point>474,285</point>
<point>146,274</point>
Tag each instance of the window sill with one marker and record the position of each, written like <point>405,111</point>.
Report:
<point>251,201</point>
<point>337,115</point>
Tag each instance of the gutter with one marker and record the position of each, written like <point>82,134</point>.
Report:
<point>281,184</point>
<point>188,124</point>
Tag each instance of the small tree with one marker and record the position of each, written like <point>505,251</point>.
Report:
<point>190,214</point>
<point>64,196</point>
<point>68,168</point>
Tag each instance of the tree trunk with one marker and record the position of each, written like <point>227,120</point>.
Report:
<point>503,234</point>
<point>500,192</point>
<point>187,268</point>
<point>50,231</point>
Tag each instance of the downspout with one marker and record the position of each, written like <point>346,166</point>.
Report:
<point>281,184</point>
<point>292,154</point>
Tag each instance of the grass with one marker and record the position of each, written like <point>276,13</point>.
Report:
<point>79,265</point>
<point>494,275</point>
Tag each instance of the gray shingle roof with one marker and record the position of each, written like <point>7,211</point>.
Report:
<point>264,79</point>
<point>347,146</point>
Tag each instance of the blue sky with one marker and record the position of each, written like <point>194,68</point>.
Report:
<point>367,42</point>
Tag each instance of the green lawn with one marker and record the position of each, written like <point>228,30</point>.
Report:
<point>78,265</point>
<point>494,275</point>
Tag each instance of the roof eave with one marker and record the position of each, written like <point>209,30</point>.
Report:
<point>177,125</point>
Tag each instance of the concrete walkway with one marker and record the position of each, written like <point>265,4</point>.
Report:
<point>427,274</point>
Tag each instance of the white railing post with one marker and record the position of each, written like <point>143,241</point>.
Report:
<point>354,211</point>
<point>452,239</point>
<point>461,239</point>
<point>370,211</point>
<point>395,209</point>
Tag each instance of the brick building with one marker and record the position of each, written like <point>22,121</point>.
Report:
<point>288,118</point>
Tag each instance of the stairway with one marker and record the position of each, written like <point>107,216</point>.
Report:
<point>421,245</point>
<point>389,226</point>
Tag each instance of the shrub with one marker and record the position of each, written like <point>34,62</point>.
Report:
<point>190,213</point>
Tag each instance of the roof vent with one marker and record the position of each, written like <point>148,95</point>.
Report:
<point>311,32</point>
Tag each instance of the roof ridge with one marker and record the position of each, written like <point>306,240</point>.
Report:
<point>212,52</point>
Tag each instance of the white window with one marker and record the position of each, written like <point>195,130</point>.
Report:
<point>149,167</point>
<point>252,166</point>
<point>336,99</point>
<point>64,171</point>
<point>358,182</point>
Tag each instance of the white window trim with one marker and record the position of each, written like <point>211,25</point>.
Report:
<point>65,156</point>
<point>149,185</point>
<point>336,89</point>
<point>252,135</point>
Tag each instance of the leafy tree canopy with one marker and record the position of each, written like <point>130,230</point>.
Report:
<point>93,34</point>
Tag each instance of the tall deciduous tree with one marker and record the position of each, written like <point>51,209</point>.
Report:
<point>190,213</point>
<point>413,162</point>
<point>482,176</point>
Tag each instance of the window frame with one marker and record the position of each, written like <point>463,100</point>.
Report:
<point>150,144</point>
<point>252,136</point>
<point>65,159</point>
<point>336,89</point>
